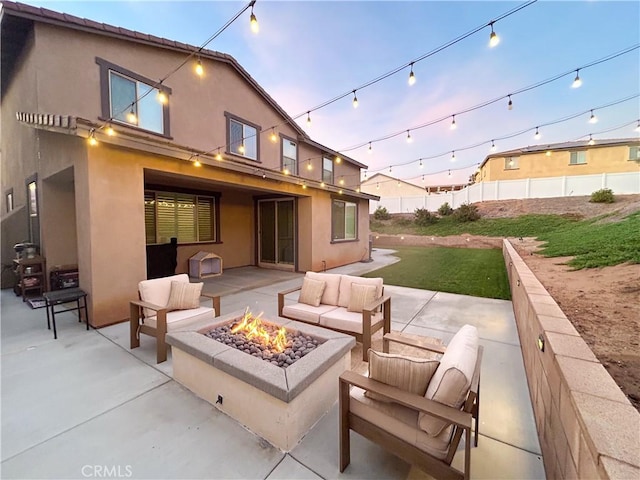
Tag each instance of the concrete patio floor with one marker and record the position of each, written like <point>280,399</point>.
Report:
<point>85,406</point>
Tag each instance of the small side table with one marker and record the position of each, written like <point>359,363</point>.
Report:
<point>59,297</point>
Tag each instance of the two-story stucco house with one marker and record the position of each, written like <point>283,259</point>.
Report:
<point>212,160</point>
<point>562,159</point>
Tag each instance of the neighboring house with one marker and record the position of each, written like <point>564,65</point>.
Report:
<point>562,159</point>
<point>268,196</point>
<point>385,186</point>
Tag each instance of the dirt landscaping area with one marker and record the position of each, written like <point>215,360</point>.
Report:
<point>602,303</point>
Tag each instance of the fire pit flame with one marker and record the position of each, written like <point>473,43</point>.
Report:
<point>252,329</point>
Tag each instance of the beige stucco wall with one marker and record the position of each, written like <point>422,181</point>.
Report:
<point>384,186</point>
<point>607,159</point>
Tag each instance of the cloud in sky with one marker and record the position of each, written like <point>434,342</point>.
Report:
<point>309,52</point>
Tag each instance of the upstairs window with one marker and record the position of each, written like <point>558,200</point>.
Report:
<point>634,153</point>
<point>9,200</point>
<point>578,158</point>
<point>344,220</point>
<point>242,137</point>
<point>511,163</point>
<point>133,100</point>
<point>190,218</point>
<point>289,156</point>
<point>327,170</point>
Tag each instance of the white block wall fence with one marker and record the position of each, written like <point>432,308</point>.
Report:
<point>626,183</point>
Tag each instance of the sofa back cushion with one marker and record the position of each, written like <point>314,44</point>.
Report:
<point>345,287</point>
<point>311,291</point>
<point>157,290</point>
<point>452,380</point>
<point>332,287</point>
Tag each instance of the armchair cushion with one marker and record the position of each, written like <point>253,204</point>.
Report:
<point>179,319</point>
<point>451,382</point>
<point>184,296</point>
<point>157,290</point>
<point>361,295</point>
<point>332,287</point>
<point>311,292</point>
<point>345,288</point>
<point>406,373</point>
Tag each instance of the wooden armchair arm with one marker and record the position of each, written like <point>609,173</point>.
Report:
<point>281,298</point>
<point>215,299</point>
<point>399,337</point>
<point>150,306</point>
<point>413,401</point>
<point>384,299</point>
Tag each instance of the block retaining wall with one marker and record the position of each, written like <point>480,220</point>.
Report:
<point>586,425</point>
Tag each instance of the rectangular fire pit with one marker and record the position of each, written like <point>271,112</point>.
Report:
<point>279,404</point>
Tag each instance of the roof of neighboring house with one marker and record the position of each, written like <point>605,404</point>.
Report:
<point>14,33</point>
<point>381,177</point>
<point>562,146</point>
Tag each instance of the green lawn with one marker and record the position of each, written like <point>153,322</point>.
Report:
<point>467,271</point>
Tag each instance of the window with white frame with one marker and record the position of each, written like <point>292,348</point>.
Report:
<point>188,217</point>
<point>131,99</point>
<point>289,156</point>
<point>344,220</point>
<point>634,153</point>
<point>511,163</point>
<point>327,170</point>
<point>242,138</point>
<point>578,158</point>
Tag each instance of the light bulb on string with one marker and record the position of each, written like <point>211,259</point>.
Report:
<point>453,123</point>
<point>341,181</point>
<point>593,118</point>
<point>218,156</point>
<point>421,166</point>
<point>453,156</point>
<point>412,77</point>
<point>591,140</point>
<point>548,153</point>
<point>285,170</point>
<point>399,185</point>
<point>449,172</point>
<point>109,130</point>
<point>199,69</point>
<point>196,162</point>
<point>162,97</point>
<point>241,149</point>
<point>577,81</point>
<point>510,104</point>
<point>537,134</point>
<point>273,137</point>
<point>390,168</point>
<point>308,118</point>
<point>370,150</point>
<point>253,22</point>
<point>131,116</point>
<point>92,138</point>
<point>378,186</point>
<point>637,129</point>
<point>309,165</point>
<point>338,159</point>
<point>494,39</point>
<point>365,174</point>
<point>409,139</point>
<point>322,184</point>
<point>422,178</point>
<point>355,100</point>
<point>493,146</point>
<point>304,184</point>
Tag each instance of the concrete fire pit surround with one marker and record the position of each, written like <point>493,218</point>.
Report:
<point>284,384</point>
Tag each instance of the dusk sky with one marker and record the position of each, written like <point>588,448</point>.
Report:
<point>307,53</point>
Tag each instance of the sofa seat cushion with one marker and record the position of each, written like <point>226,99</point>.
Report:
<point>306,313</point>
<point>400,421</point>
<point>179,319</point>
<point>331,288</point>
<point>345,288</point>
<point>341,319</point>
<point>451,382</point>
<point>158,290</point>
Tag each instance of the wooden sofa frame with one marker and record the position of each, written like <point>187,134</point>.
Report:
<point>461,419</point>
<point>137,325</point>
<point>384,302</point>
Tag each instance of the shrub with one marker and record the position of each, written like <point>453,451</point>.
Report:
<point>604,195</point>
<point>466,213</point>
<point>381,213</point>
<point>424,217</point>
<point>401,221</point>
<point>445,209</point>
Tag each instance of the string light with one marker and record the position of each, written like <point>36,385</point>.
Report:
<point>494,39</point>
<point>378,186</point>
<point>453,156</point>
<point>308,118</point>
<point>421,166</point>
<point>422,178</point>
<point>162,97</point>
<point>576,81</point>
<point>365,174</point>
<point>453,123</point>
<point>449,172</point>
<point>370,149</point>
<point>637,129</point>
<point>593,118</point>
<point>199,69</point>
<point>241,149</point>
<point>510,104</point>
<point>322,184</point>
<point>338,159</point>
<point>511,161</point>
<point>131,116</point>
<point>493,146</point>
<point>196,162</point>
<point>218,156</point>
<point>390,168</point>
<point>92,138</point>
<point>340,191</point>
<point>285,170</point>
<point>253,22</point>
<point>309,166</point>
<point>109,130</point>
<point>399,184</point>
<point>273,136</point>
<point>304,184</point>
<point>341,181</point>
<point>409,139</point>
<point>537,134</point>
<point>591,140</point>
<point>412,77</point>
<point>264,174</point>
<point>355,100</point>
<point>548,153</point>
